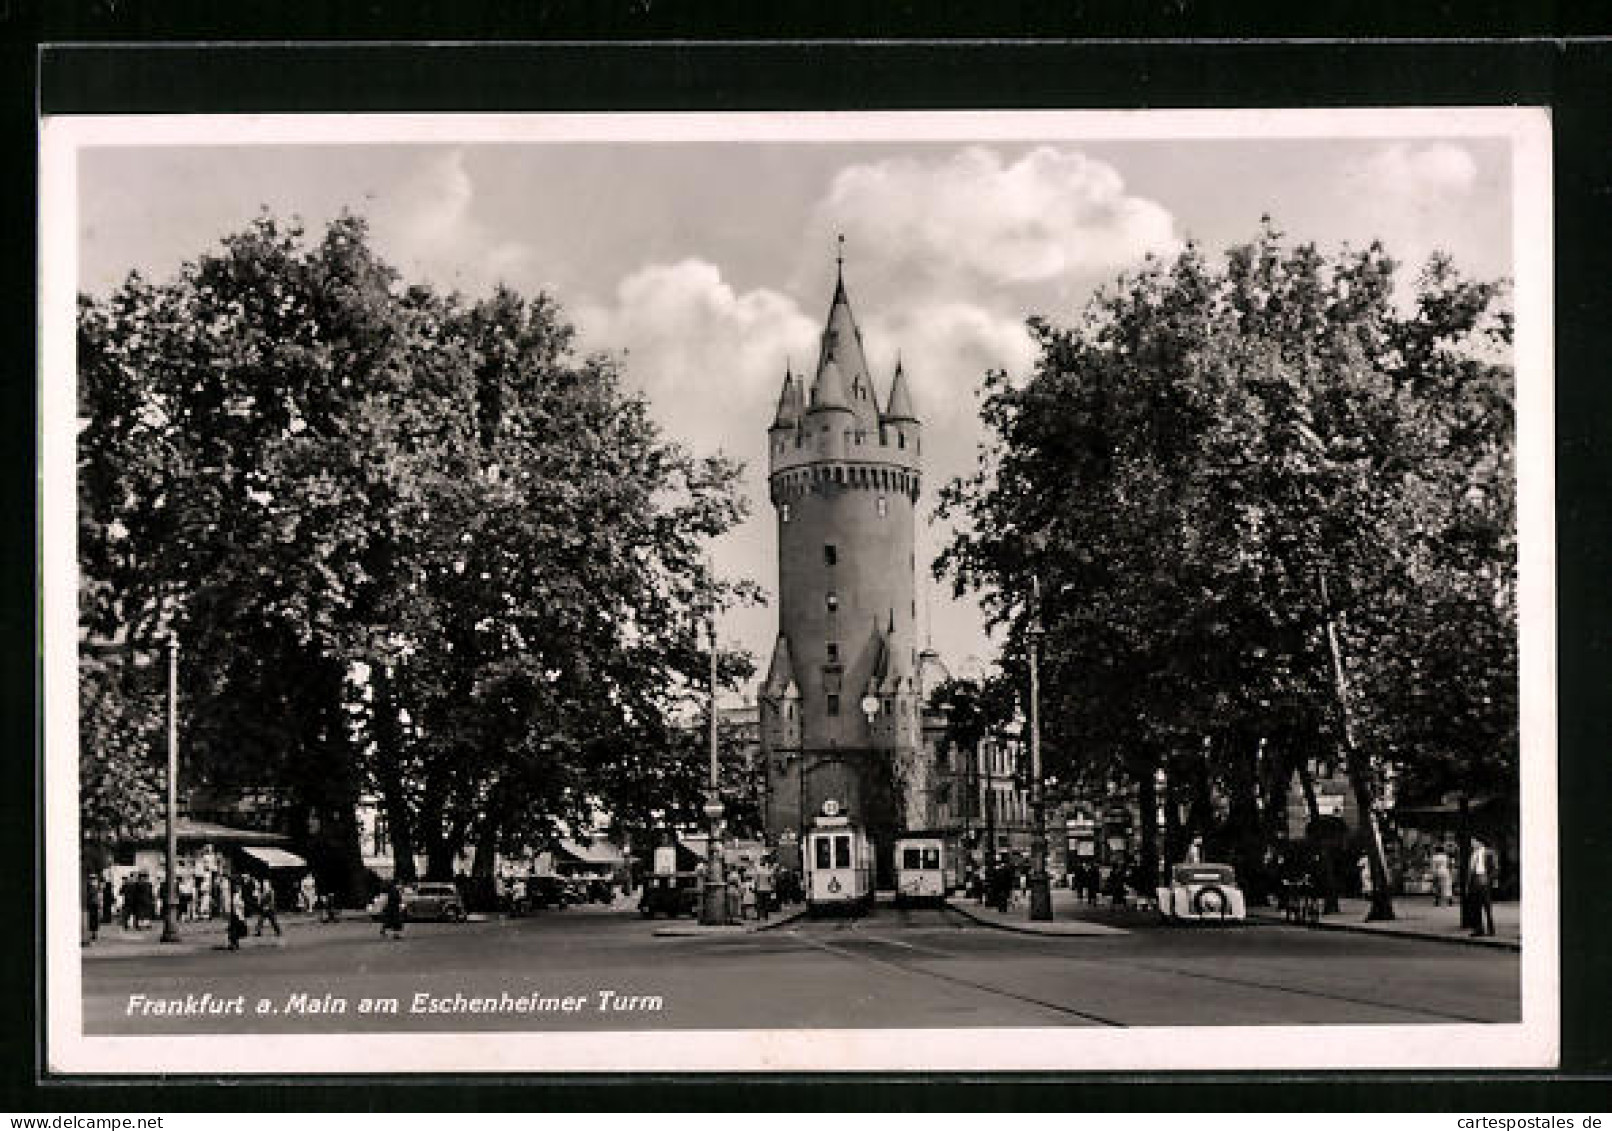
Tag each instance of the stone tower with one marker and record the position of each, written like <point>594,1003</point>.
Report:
<point>840,702</point>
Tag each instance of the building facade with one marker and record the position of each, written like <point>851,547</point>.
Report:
<point>841,703</point>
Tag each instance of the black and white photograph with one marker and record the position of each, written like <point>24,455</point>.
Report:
<point>796,592</point>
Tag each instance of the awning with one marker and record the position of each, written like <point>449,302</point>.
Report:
<point>274,857</point>
<point>598,855</point>
<point>190,831</point>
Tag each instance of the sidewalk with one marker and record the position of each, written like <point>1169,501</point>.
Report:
<point>1416,918</point>
<point>202,934</point>
<point>1071,916</point>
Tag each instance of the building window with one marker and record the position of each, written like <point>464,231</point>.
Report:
<point>884,506</point>
<point>833,704</point>
<point>831,554</point>
<point>833,653</point>
<point>833,602</point>
<point>783,512</point>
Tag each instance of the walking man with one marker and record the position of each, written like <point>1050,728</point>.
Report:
<point>265,909</point>
<point>392,913</point>
<point>92,905</point>
<point>764,889</point>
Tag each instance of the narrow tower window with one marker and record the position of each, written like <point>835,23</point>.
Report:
<point>830,554</point>
<point>833,602</point>
<point>783,512</point>
<point>884,507</point>
<point>833,653</point>
<point>833,704</point>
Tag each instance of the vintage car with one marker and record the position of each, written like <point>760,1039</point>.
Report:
<point>425,901</point>
<point>670,893</point>
<point>1202,893</point>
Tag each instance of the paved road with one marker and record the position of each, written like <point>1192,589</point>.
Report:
<point>598,970</point>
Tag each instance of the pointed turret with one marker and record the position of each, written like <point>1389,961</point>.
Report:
<point>900,406</point>
<point>781,675</point>
<point>842,345</point>
<point>828,394</point>
<point>789,403</point>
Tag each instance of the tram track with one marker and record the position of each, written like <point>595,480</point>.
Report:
<point>952,979</point>
<point>857,929</point>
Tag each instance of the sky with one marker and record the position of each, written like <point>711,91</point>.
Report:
<point>707,266</point>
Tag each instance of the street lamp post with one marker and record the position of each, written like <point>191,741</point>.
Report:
<point>170,910</point>
<point>1040,885</point>
<point>714,905</point>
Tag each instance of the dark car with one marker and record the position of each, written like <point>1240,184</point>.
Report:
<point>671,894</point>
<point>547,891</point>
<point>425,901</point>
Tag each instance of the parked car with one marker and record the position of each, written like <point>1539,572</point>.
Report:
<point>1202,893</point>
<point>425,901</point>
<point>548,891</point>
<point>671,894</point>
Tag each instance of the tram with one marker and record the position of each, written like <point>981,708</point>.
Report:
<point>839,864</point>
<point>922,863</point>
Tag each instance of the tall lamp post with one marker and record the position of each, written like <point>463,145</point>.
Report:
<point>170,909</point>
<point>1040,884</point>
<point>714,906</point>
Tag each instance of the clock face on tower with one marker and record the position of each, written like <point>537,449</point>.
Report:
<point>870,706</point>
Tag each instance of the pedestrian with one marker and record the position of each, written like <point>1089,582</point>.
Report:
<point>392,912</point>
<point>146,896</point>
<point>265,909</point>
<point>748,899</point>
<point>92,905</point>
<point>1195,851</point>
<point>1364,866</point>
<point>187,897</point>
<point>332,907</point>
<point>307,893</point>
<point>108,901</point>
<point>237,919</point>
<point>765,881</point>
<point>735,907</point>
<point>1440,867</point>
<point>1480,878</point>
<point>224,900</point>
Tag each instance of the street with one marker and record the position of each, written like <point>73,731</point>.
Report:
<point>602,969</point>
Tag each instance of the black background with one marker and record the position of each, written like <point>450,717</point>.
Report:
<point>117,56</point>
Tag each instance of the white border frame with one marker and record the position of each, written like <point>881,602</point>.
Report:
<point>1532,1043</point>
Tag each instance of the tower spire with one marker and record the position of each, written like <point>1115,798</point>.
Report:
<point>839,259</point>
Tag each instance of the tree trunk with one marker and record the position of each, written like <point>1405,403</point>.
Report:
<point>389,775</point>
<point>1175,848</point>
<point>1359,767</point>
<point>1327,879</point>
<point>1147,800</point>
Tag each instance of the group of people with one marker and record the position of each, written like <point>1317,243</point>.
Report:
<point>138,901</point>
<point>756,891</point>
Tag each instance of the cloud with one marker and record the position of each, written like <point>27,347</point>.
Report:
<point>428,226</point>
<point>692,342</point>
<point>1048,214</point>
<point>1430,173</point>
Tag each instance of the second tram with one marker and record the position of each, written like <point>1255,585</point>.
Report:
<point>838,859</point>
<point>921,867</point>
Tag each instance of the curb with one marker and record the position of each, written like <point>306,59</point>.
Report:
<point>1086,930</point>
<point>695,931</point>
<point>1394,933</point>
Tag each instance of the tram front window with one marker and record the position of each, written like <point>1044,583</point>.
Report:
<point>932,859</point>
<point>823,852</point>
<point>842,852</point>
<point>911,859</point>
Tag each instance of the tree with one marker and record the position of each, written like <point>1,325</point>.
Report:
<point>1250,487</point>
<point>412,545</point>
